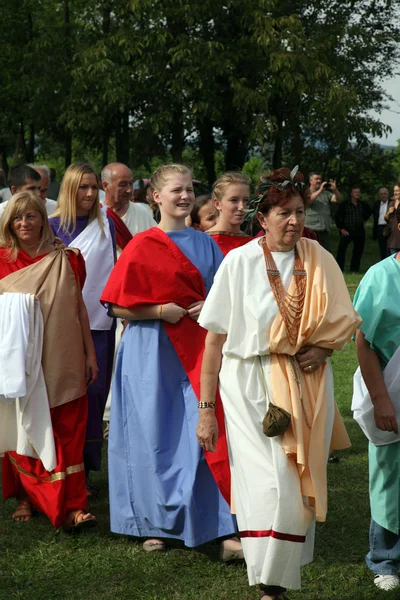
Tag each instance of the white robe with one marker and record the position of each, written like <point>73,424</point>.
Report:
<point>276,525</point>
<point>98,251</point>
<point>25,421</point>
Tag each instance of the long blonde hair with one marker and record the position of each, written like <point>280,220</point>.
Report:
<point>17,205</point>
<point>66,204</point>
<point>159,178</point>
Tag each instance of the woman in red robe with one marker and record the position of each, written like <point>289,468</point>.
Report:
<point>231,195</point>
<point>30,262</point>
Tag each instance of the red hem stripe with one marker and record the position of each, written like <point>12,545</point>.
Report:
<point>287,537</point>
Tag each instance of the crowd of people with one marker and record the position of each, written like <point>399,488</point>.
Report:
<point>211,349</point>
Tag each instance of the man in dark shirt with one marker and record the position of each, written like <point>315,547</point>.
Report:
<point>350,218</point>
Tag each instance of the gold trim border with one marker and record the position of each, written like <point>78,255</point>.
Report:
<point>49,478</point>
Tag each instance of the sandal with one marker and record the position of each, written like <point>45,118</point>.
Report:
<point>78,520</point>
<point>154,545</point>
<point>23,512</point>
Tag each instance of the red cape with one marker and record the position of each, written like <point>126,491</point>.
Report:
<point>122,234</point>
<point>153,270</point>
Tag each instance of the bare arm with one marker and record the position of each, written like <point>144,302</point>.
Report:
<point>92,370</point>
<point>385,416</point>
<point>207,428</point>
<point>172,313</point>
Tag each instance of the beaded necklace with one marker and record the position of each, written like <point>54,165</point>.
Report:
<point>290,305</point>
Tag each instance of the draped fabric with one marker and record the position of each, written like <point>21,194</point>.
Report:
<point>279,484</point>
<point>174,280</point>
<point>122,234</point>
<point>53,278</point>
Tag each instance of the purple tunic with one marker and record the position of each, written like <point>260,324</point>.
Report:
<point>104,343</point>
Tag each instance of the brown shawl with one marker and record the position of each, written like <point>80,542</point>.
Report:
<point>52,280</point>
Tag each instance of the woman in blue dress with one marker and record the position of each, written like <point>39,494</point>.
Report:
<point>160,483</point>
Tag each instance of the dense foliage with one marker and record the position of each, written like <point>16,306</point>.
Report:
<point>210,82</point>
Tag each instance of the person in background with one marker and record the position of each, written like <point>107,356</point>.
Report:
<point>204,215</point>
<point>350,218</point>
<point>54,187</point>
<point>231,195</point>
<point>318,213</point>
<point>44,173</point>
<point>81,223</point>
<point>277,309</point>
<point>30,262</point>
<point>393,240</point>
<point>162,485</point>
<point>117,182</point>
<point>377,342</point>
<point>5,192</point>
<point>379,211</point>
<point>22,179</point>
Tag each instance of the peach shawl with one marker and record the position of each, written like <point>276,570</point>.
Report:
<point>329,320</point>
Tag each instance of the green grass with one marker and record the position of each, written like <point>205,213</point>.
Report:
<point>38,563</point>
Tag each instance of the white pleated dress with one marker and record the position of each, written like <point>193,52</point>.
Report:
<point>275,523</point>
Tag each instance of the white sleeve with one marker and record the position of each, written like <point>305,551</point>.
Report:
<point>216,312</point>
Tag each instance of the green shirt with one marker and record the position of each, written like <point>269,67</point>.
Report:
<point>318,214</point>
<point>377,300</point>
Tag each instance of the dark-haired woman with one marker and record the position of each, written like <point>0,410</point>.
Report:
<point>204,215</point>
<point>278,308</point>
<point>393,241</point>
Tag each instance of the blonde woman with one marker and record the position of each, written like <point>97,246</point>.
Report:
<point>30,263</point>
<point>80,222</point>
<point>161,481</point>
<point>231,195</point>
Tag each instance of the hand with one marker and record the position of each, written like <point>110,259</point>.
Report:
<point>91,370</point>
<point>194,310</point>
<point>172,313</point>
<point>391,210</point>
<point>385,415</point>
<point>207,429</point>
<point>310,358</point>
<point>333,185</point>
<point>344,232</point>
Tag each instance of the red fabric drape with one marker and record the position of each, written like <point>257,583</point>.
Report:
<point>62,490</point>
<point>122,233</point>
<point>153,270</point>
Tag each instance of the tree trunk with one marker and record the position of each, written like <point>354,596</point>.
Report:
<point>297,146</point>
<point>30,150</point>
<point>68,149</point>
<point>3,160</point>
<point>278,146</point>
<point>207,148</point>
<point>105,144</point>
<point>236,147</point>
<point>177,134</point>
<point>19,152</point>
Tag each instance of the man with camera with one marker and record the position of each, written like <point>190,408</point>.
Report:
<point>318,214</point>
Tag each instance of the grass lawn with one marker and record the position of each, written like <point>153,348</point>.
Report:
<point>38,563</point>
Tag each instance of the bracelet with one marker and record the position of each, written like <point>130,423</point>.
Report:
<point>206,404</point>
<point>159,311</point>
